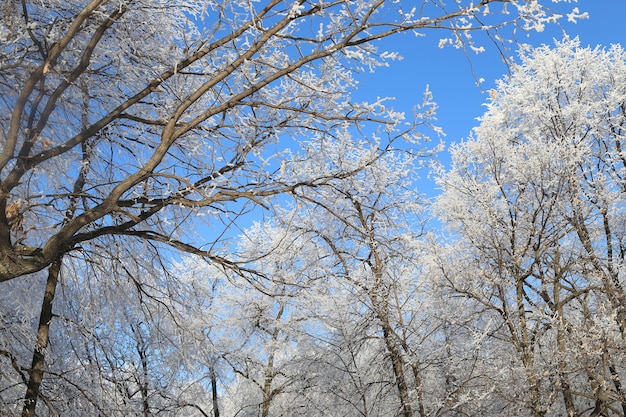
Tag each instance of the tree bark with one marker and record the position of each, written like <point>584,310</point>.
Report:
<point>35,374</point>
<point>566,390</point>
<point>398,367</point>
<point>568,397</point>
<point>268,392</point>
<point>213,377</point>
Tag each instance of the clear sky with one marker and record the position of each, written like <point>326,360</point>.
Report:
<point>448,73</point>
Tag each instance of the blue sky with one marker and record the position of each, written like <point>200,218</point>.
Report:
<point>449,76</point>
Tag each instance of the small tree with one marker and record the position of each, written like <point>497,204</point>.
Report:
<point>369,227</point>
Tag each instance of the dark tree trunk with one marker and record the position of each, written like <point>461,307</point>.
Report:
<point>216,408</point>
<point>35,374</point>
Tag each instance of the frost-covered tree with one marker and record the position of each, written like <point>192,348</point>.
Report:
<point>176,108</point>
<point>334,313</point>
<point>535,200</point>
<point>369,227</point>
<point>129,121</point>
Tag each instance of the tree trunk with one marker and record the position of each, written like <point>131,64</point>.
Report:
<point>617,383</point>
<point>268,392</point>
<point>568,398</point>
<point>213,377</point>
<point>398,367</point>
<point>561,332</point>
<point>526,349</point>
<point>417,380</point>
<point>35,374</point>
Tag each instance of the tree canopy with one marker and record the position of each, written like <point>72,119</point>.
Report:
<point>197,218</point>
<point>535,199</point>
